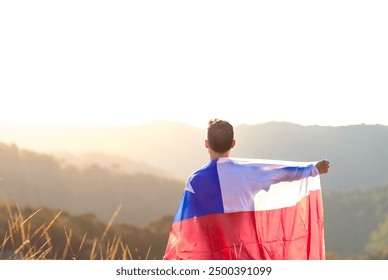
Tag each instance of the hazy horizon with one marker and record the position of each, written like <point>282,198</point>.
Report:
<point>150,122</point>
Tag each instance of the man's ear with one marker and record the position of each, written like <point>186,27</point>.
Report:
<point>207,144</point>
<point>233,143</point>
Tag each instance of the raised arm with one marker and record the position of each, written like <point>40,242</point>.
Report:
<point>292,173</point>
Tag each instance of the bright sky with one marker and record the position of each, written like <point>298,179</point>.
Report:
<point>127,62</point>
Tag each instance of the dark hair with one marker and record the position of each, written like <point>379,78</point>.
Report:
<point>220,135</point>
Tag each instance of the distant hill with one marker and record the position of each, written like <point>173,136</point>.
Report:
<point>357,153</point>
<point>171,147</point>
<point>113,162</point>
<point>40,180</point>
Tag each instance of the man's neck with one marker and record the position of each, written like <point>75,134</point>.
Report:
<point>215,155</point>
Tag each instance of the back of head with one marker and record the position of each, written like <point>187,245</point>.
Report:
<point>220,135</point>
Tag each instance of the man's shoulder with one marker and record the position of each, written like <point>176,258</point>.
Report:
<point>204,168</point>
<point>204,171</point>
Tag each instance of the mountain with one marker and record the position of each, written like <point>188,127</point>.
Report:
<point>114,162</point>
<point>357,153</point>
<point>170,147</point>
<point>39,180</point>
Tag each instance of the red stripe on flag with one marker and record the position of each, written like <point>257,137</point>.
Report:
<point>295,232</point>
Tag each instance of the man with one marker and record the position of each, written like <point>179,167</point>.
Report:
<point>218,217</point>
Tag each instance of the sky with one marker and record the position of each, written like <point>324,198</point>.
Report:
<point>130,62</point>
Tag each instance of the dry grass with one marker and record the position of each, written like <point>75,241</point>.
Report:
<point>21,242</point>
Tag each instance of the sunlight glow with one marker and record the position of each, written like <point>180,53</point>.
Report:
<point>248,62</point>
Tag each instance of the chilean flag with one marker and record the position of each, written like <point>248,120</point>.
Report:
<point>249,209</point>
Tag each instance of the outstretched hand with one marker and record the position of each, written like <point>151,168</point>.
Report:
<point>323,166</point>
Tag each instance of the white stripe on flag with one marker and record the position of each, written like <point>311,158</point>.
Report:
<point>286,194</point>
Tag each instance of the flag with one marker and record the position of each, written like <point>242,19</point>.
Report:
<point>249,209</point>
